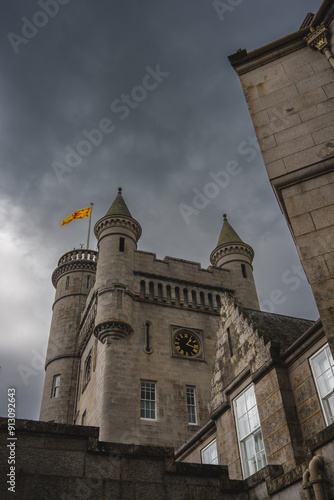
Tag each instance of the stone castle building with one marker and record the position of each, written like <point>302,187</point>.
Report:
<point>146,353</point>
<point>132,339</point>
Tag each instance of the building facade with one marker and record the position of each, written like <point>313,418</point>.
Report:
<point>132,339</point>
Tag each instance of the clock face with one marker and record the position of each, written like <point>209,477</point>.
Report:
<point>186,344</point>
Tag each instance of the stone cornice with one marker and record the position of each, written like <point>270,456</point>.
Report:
<point>73,265</point>
<point>110,221</point>
<point>230,249</point>
<point>243,62</point>
<point>114,329</point>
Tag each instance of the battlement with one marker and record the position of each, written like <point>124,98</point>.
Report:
<point>180,270</point>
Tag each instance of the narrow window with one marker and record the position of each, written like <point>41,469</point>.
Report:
<point>55,386</point>
<point>67,284</point>
<point>210,300</point>
<point>244,271</point>
<point>229,342</point>
<point>151,290</point>
<point>322,364</point>
<point>87,370</point>
<point>177,296</point>
<point>121,244</point>
<point>169,294</point>
<point>191,405</point>
<point>147,337</point>
<point>142,289</point>
<point>201,296</point>
<point>83,418</point>
<point>219,302</point>
<point>253,457</point>
<point>194,298</point>
<point>148,400</point>
<point>209,454</point>
<point>185,296</point>
<point>88,282</point>
<point>160,292</point>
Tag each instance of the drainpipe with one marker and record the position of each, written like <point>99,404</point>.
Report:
<point>307,485</point>
<point>316,480</point>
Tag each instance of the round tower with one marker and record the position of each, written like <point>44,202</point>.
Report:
<point>72,279</point>
<point>117,234</point>
<point>233,254</point>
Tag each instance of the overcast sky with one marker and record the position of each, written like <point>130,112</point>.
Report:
<point>154,78</point>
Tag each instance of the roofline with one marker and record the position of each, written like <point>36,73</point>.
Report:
<point>242,61</point>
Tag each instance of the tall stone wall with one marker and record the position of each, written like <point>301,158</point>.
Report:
<point>64,462</point>
<point>289,88</point>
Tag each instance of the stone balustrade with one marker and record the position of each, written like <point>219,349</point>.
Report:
<point>82,254</point>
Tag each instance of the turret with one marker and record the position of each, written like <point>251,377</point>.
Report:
<point>233,254</point>
<point>72,279</point>
<point>117,234</point>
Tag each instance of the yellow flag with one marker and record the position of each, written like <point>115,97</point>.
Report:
<point>80,214</point>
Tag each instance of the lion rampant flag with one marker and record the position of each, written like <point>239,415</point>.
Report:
<point>80,214</point>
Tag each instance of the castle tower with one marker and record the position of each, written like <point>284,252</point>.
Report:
<point>117,234</point>
<point>73,279</point>
<point>233,254</point>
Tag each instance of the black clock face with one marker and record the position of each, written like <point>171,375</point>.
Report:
<point>186,344</point>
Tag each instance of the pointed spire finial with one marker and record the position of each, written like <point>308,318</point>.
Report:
<point>119,190</point>
<point>225,216</point>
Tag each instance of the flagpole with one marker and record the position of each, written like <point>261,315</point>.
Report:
<point>90,218</point>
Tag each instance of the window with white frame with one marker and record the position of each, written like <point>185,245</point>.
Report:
<point>251,446</point>
<point>209,454</point>
<point>322,364</point>
<point>148,400</point>
<point>55,386</point>
<point>191,405</point>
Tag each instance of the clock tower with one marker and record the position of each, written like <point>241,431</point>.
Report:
<point>144,341</point>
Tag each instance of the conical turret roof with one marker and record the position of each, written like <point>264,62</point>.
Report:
<point>227,234</point>
<point>118,206</point>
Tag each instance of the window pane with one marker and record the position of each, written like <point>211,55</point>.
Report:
<point>249,447</point>
<point>253,419</point>
<point>321,363</point>
<point>323,371</point>
<point>243,426</point>
<point>147,400</point>
<point>250,398</point>
<point>249,432</point>
<point>240,406</point>
<point>329,405</point>
<point>209,454</point>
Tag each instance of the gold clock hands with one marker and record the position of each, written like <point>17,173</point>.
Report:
<point>190,345</point>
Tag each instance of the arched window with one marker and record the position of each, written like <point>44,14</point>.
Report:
<point>142,289</point>
<point>194,298</point>
<point>88,282</point>
<point>210,300</point>
<point>169,294</point>
<point>185,296</point>
<point>151,290</point>
<point>219,302</point>
<point>160,292</point>
<point>67,284</point>
<point>201,296</point>
<point>177,296</point>
<point>87,370</point>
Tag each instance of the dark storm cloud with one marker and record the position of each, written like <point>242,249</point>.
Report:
<point>188,128</point>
